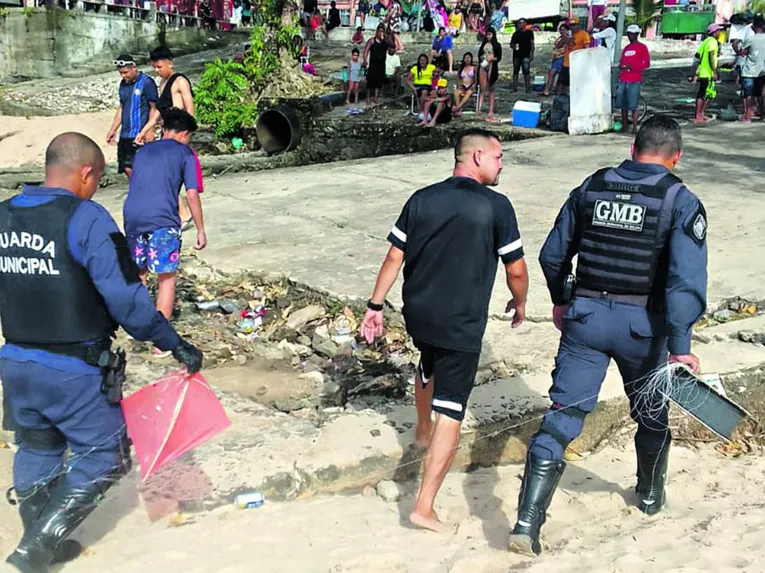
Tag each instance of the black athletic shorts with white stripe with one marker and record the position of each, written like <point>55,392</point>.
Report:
<point>453,373</point>
<point>452,235</point>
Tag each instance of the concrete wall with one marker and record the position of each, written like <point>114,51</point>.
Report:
<point>47,43</point>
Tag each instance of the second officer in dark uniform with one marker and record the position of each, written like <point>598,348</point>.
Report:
<point>67,281</point>
<point>641,274</point>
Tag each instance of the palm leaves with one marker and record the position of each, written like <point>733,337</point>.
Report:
<point>647,11</point>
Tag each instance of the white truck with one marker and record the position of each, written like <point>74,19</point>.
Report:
<point>537,10</point>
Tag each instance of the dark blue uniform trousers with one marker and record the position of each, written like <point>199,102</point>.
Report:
<point>41,397</point>
<point>594,332</point>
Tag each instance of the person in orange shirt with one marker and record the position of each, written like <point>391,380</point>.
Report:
<point>578,40</point>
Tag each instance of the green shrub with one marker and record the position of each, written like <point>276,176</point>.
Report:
<point>224,99</point>
<point>227,95</point>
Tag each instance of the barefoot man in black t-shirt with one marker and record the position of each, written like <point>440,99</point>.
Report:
<point>449,237</point>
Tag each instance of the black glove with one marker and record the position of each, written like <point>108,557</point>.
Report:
<point>188,355</point>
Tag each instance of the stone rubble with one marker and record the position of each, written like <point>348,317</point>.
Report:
<point>389,491</point>
<point>300,318</point>
<point>82,97</point>
<point>301,353</point>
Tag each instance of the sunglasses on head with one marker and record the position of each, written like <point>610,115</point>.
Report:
<point>123,63</point>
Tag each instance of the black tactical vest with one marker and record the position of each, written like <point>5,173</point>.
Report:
<point>625,227</point>
<point>46,297</point>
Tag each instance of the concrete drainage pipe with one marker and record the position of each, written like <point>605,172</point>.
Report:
<point>278,130</point>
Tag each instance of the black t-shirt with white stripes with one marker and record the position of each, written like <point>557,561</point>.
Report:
<point>452,234</point>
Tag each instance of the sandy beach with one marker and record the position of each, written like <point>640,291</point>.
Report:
<point>713,521</point>
<point>23,140</point>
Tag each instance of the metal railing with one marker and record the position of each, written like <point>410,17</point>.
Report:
<point>169,15</point>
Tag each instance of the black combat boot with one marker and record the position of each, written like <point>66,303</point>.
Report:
<point>651,474</point>
<point>540,479</point>
<point>44,538</point>
<point>31,504</point>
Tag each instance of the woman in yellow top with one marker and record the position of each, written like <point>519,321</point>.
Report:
<point>455,21</point>
<point>420,81</point>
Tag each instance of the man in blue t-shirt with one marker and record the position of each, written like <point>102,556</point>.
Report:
<point>441,51</point>
<point>138,97</point>
<point>152,223</point>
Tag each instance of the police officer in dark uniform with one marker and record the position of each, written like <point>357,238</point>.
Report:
<point>67,281</point>
<point>640,237</point>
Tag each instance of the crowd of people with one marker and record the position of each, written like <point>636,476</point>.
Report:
<point>434,102</point>
<point>749,68</point>
<point>476,75</point>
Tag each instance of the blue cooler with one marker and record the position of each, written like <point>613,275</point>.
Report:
<point>526,114</point>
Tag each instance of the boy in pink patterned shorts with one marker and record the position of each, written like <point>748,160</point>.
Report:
<point>152,223</point>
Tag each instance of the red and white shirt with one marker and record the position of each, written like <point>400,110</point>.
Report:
<point>637,58</point>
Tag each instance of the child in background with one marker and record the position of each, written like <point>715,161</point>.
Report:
<point>358,36</point>
<point>439,105</point>
<point>315,24</point>
<point>152,222</point>
<point>246,12</point>
<point>319,22</point>
<point>354,77</point>
<point>393,69</point>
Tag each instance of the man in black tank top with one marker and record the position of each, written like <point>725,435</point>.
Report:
<point>172,84</point>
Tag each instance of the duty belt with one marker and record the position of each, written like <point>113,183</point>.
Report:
<point>88,353</point>
<point>636,299</point>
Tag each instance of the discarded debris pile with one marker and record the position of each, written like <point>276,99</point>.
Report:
<point>734,308</point>
<point>247,318</point>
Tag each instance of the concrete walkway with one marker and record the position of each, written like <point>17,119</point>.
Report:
<point>326,224</point>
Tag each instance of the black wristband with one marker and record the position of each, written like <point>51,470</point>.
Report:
<point>375,307</point>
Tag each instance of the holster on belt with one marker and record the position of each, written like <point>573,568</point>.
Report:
<point>569,285</point>
<point>112,364</point>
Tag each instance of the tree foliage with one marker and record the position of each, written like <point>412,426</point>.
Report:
<point>647,11</point>
<point>228,93</point>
